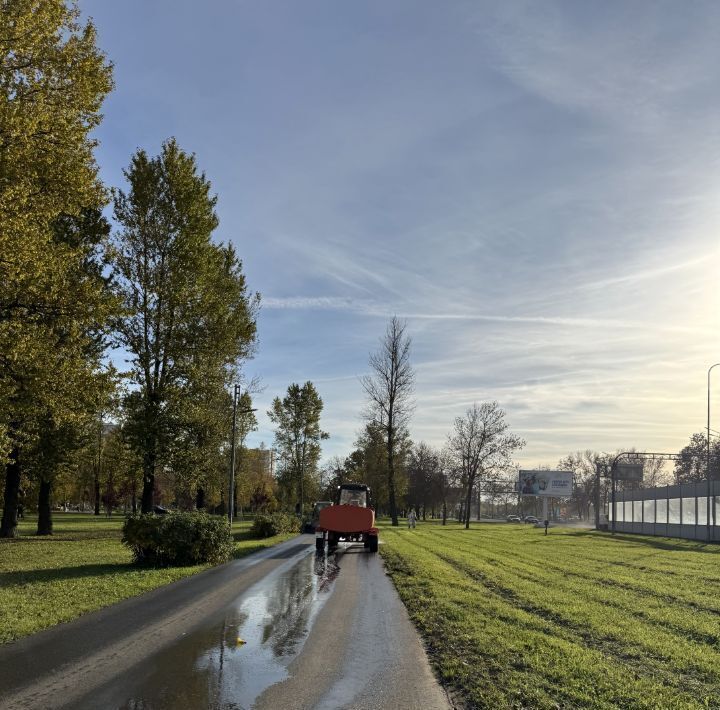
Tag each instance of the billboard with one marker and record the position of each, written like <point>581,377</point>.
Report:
<point>629,472</point>
<point>546,483</point>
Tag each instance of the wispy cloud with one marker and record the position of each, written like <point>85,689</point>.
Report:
<point>316,303</point>
<point>370,308</point>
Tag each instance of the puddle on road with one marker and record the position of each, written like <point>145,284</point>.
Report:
<point>213,668</point>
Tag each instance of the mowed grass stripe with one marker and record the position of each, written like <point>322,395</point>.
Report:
<point>496,672</point>
<point>648,662</point>
<point>691,554</point>
<point>634,649</point>
<point>684,615</point>
<point>685,590</point>
<point>526,643</point>
<point>703,628</point>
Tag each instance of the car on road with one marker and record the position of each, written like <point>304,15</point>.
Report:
<point>513,519</point>
<point>531,519</point>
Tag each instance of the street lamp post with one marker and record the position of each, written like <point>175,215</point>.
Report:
<point>231,501</point>
<point>709,484</point>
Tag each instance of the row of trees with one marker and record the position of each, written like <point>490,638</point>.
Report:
<point>159,288</point>
<point>434,482</point>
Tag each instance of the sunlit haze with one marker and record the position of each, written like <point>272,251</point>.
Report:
<point>534,186</point>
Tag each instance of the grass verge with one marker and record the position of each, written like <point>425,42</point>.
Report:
<point>48,580</point>
<point>577,619</point>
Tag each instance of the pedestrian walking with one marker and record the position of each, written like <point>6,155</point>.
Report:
<point>411,519</point>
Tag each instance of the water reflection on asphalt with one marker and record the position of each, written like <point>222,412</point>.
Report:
<point>228,663</point>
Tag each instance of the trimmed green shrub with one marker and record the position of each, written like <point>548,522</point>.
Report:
<point>269,524</point>
<point>178,539</point>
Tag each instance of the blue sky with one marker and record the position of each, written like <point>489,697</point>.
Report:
<point>534,186</point>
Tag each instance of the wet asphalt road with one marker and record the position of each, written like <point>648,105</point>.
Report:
<point>284,628</point>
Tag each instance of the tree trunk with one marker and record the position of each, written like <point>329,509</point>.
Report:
<point>150,445</point>
<point>96,492</point>
<point>444,513</point>
<point>8,528</point>
<point>200,498</point>
<point>44,524</point>
<point>146,502</point>
<point>391,479</point>
<point>468,501</point>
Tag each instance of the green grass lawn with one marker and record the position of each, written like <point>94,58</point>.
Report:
<point>577,619</point>
<point>82,567</point>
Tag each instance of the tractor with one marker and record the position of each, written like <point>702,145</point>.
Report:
<point>351,519</point>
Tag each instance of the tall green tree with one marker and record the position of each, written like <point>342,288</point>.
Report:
<point>188,315</point>
<point>53,80</point>
<point>297,437</point>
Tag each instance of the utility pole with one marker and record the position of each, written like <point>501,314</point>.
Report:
<point>709,482</point>
<point>599,469</point>
<point>231,496</point>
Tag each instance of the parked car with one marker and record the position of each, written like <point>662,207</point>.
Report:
<point>514,519</point>
<point>531,519</point>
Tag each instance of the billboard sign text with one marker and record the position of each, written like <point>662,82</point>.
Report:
<point>546,483</point>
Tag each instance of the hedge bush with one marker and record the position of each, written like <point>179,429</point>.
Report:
<point>178,539</point>
<point>269,524</point>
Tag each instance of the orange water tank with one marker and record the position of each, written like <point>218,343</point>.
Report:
<point>346,519</point>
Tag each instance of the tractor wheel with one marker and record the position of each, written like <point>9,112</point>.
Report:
<point>366,541</point>
<point>373,539</point>
<point>332,541</point>
<point>320,544</point>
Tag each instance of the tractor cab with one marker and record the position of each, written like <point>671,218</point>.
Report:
<point>354,494</point>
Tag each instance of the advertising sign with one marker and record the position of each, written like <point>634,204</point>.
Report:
<point>629,472</point>
<point>546,483</point>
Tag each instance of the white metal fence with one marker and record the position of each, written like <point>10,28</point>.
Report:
<point>688,510</point>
